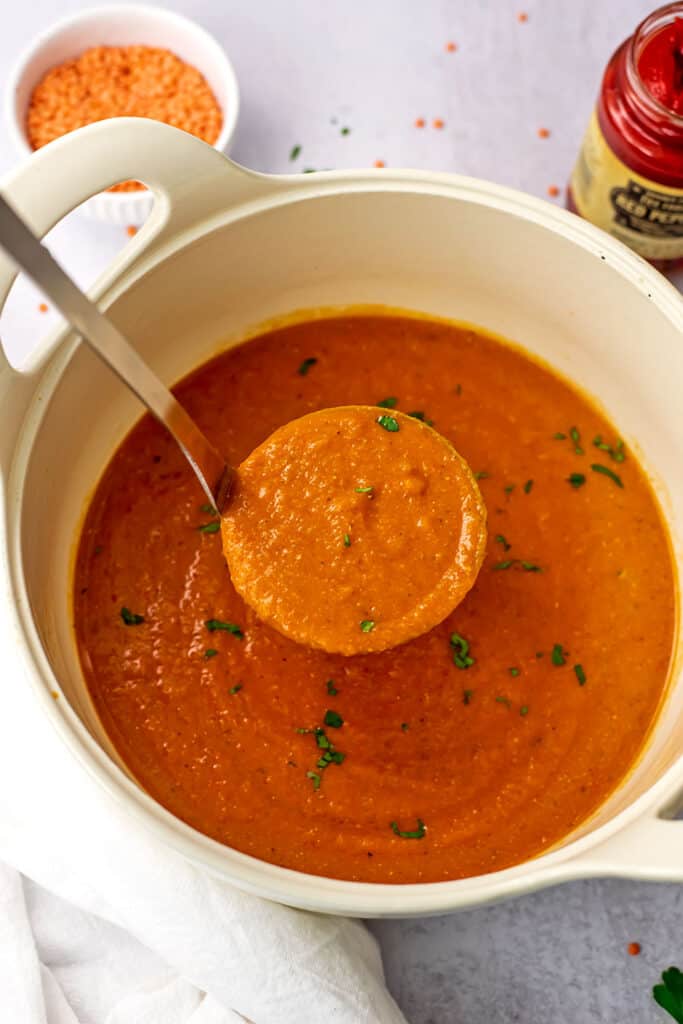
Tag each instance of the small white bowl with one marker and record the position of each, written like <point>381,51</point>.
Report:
<point>126,25</point>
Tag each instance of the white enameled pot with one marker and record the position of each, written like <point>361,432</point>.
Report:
<point>225,249</point>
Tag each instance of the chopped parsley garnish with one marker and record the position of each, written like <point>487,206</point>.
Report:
<point>576,480</point>
<point>367,626</point>
<point>389,423</point>
<point>669,995</point>
<point>527,486</point>
<point>617,452</point>
<point>505,564</point>
<point>333,719</point>
<point>580,674</point>
<point>576,438</point>
<point>404,726</point>
<point>210,527</point>
<point>210,652</point>
<point>418,414</point>
<point>514,672</point>
<point>306,366</point>
<point>130,618</point>
<point>509,488</point>
<point>345,131</point>
<point>315,779</point>
<point>461,651</point>
<point>530,567</point>
<point>524,710</point>
<point>235,689</point>
<point>559,436</point>
<point>347,540</point>
<point>467,696</point>
<point>483,475</point>
<point>606,471</point>
<point>294,152</point>
<point>557,655</point>
<point>329,754</point>
<point>209,510</point>
<point>419,832</point>
<point>504,700</point>
<point>500,539</point>
<point>388,403</point>
<point>216,625</point>
<point>364,490</point>
<point>331,688</point>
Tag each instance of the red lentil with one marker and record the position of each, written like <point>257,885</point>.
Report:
<point>42,308</point>
<point>379,163</point>
<point>553,191</point>
<point>131,230</point>
<point>522,17</point>
<point>544,133</point>
<point>420,122</point>
<point>634,948</point>
<point>438,123</point>
<point>451,47</point>
<point>122,81</point>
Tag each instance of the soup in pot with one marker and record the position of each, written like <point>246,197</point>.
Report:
<point>469,749</point>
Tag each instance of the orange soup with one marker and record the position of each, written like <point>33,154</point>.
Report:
<point>466,750</point>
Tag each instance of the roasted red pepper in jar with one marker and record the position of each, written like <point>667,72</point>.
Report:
<point>628,178</point>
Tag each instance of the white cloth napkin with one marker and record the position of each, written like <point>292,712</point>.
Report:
<point>115,928</point>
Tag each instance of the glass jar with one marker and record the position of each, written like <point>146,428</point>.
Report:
<point>628,178</point>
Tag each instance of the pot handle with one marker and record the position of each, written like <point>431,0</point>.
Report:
<point>650,849</point>
<point>190,181</point>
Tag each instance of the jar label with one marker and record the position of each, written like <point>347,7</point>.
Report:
<point>645,215</point>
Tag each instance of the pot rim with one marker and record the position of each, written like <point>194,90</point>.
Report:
<point>261,878</point>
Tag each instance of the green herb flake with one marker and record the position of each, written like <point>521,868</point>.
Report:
<point>504,700</point>
<point>483,475</point>
<point>530,567</point>
<point>294,152</point>
<point>606,471</point>
<point>527,486</point>
<point>418,414</point>
<point>388,403</point>
<point>210,527</point>
<point>389,423</point>
<point>347,540</point>
<point>333,719</point>
<point>509,488</point>
<point>315,779</point>
<point>331,688</point>
<point>210,652</point>
<point>669,995</point>
<point>559,436</point>
<point>364,490</point>
<point>505,564</point>
<point>514,672</point>
<point>131,618</point>
<point>345,131</point>
<point>616,452</point>
<point>404,726</point>
<point>557,655</point>
<point>418,833</point>
<point>576,480</point>
<point>235,689</point>
<point>217,625</point>
<point>580,674</point>
<point>461,651</point>
<point>367,626</point>
<point>208,510</point>
<point>500,539</point>
<point>576,439</point>
<point>467,696</point>
<point>524,710</point>
<point>306,366</point>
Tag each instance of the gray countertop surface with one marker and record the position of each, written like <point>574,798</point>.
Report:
<point>376,66</point>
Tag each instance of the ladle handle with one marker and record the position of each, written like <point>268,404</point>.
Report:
<point>106,340</point>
